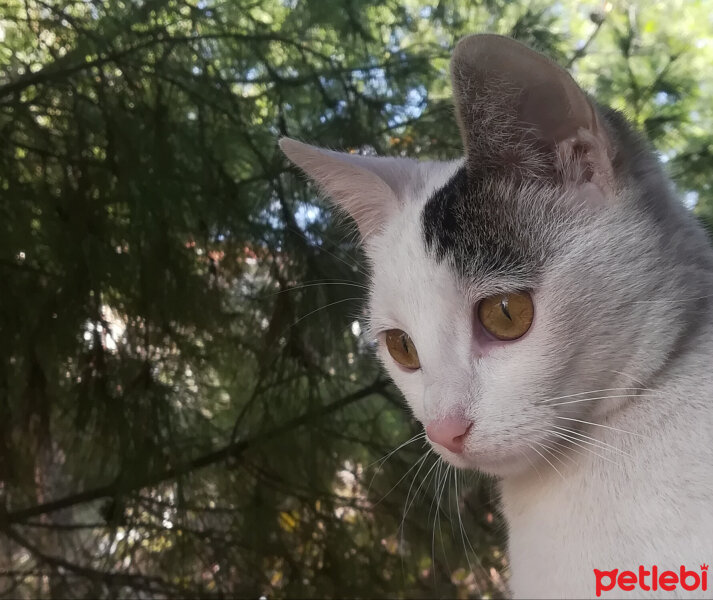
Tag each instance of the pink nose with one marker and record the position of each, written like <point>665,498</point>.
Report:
<point>449,432</point>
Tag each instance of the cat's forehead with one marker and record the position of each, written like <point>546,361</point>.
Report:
<point>457,238</point>
<point>409,282</point>
<point>487,227</point>
<point>401,245</point>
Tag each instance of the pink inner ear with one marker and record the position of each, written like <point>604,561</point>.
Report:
<point>547,106</point>
<point>584,159</point>
<point>363,187</point>
<point>591,194</point>
<point>361,194</point>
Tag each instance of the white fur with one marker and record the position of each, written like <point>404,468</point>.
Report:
<point>650,507</point>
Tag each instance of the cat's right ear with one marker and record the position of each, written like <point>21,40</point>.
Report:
<point>368,189</point>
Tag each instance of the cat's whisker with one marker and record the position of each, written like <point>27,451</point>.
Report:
<point>407,505</point>
<point>386,457</point>
<point>634,379</point>
<point>545,449</point>
<point>309,284</point>
<point>464,535</point>
<point>556,453</point>
<point>577,443</point>
<point>382,461</point>
<point>460,522</point>
<point>607,398</point>
<point>436,483</point>
<point>323,308</point>
<point>408,494</point>
<point>600,425</point>
<point>568,444</point>
<point>446,484</point>
<point>532,464</point>
<point>472,549</point>
<point>418,489</point>
<point>594,441</point>
<point>674,301</point>
<point>547,461</point>
<point>547,439</point>
<point>440,486</point>
<point>419,461</point>
<point>567,447</point>
<point>619,389</point>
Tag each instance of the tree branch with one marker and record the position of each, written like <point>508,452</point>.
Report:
<point>582,50</point>
<point>229,451</point>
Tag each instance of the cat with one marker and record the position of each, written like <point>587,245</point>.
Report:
<point>545,305</point>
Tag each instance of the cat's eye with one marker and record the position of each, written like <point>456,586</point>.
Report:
<point>507,316</point>
<point>402,349</point>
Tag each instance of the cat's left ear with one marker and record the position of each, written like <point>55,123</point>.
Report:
<point>521,112</point>
<point>368,189</point>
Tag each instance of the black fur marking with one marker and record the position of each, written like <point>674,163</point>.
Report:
<point>475,221</point>
<point>440,223</point>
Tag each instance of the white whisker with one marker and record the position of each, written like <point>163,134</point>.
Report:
<point>634,379</point>
<point>551,451</point>
<point>440,486</point>
<point>382,461</point>
<point>600,425</point>
<point>418,489</point>
<point>407,505</point>
<point>618,389</point>
<point>579,445</point>
<point>324,307</point>
<point>547,461</point>
<point>539,475</point>
<point>594,441</point>
<point>463,534</point>
<point>419,461</point>
<point>303,286</point>
<point>607,398</point>
<point>384,458</point>
<point>562,445</point>
<point>691,299</point>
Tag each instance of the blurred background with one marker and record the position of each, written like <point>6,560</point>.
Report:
<point>188,407</point>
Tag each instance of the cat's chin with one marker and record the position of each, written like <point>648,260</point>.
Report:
<point>503,466</point>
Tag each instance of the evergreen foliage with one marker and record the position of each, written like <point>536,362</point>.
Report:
<point>186,405</point>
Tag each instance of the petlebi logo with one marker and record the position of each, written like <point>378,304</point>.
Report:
<point>652,579</point>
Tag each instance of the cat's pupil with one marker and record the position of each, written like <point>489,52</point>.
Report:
<point>404,343</point>
<point>504,307</point>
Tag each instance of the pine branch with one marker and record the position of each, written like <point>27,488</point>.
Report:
<point>232,451</point>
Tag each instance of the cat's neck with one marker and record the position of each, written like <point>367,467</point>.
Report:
<point>596,508</point>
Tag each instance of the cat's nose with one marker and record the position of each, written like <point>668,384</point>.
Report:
<point>449,432</point>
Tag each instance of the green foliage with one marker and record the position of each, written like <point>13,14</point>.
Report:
<point>186,405</point>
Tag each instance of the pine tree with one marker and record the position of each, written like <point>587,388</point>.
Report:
<point>187,407</point>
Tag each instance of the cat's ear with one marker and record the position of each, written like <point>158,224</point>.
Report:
<point>368,189</point>
<point>519,110</point>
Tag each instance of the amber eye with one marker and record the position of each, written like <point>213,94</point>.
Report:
<point>507,316</point>
<point>402,349</point>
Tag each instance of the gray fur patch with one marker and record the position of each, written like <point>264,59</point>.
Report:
<point>485,227</point>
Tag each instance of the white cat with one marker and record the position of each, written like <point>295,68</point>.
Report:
<point>546,307</point>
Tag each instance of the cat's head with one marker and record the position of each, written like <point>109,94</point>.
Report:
<point>513,291</point>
